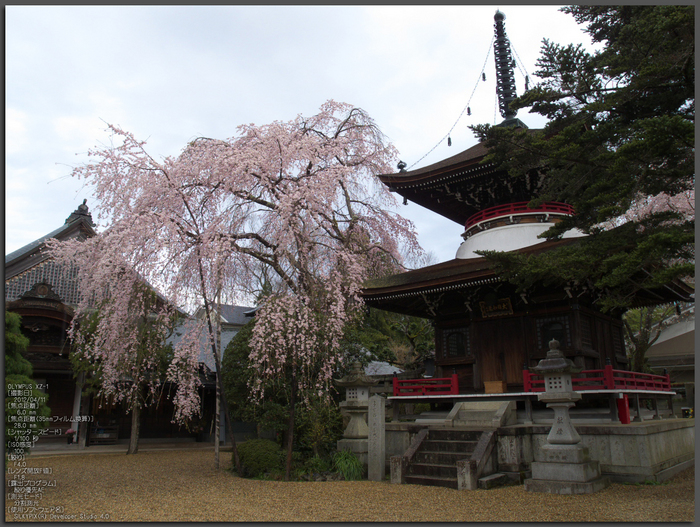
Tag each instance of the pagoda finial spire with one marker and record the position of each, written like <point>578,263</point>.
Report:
<point>505,79</point>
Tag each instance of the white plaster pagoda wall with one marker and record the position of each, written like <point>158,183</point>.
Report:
<point>507,238</point>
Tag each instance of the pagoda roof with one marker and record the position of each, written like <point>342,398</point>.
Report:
<point>470,156</point>
<point>456,272</point>
<point>408,292</point>
<point>449,187</point>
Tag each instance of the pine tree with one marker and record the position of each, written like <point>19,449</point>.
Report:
<point>22,425</point>
<point>621,136</point>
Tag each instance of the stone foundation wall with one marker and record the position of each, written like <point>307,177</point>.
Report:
<point>652,450</point>
<point>398,438</point>
<point>515,450</point>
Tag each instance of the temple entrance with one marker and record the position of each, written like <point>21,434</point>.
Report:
<point>501,350</point>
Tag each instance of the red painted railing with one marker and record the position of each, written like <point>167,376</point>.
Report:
<point>442,386</point>
<point>605,379</point>
<point>517,208</point>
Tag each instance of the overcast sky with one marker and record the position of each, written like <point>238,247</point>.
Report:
<point>170,74</point>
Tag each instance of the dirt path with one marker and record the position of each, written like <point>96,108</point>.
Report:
<point>184,486</point>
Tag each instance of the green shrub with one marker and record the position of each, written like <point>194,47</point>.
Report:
<point>259,456</point>
<point>318,426</point>
<point>346,463</point>
<point>272,413</point>
<point>419,408</point>
<point>316,465</point>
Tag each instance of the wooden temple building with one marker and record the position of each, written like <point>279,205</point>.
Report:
<point>486,332</point>
<point>37,290</point>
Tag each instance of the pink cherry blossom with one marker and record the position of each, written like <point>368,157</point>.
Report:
<point>297,202</point>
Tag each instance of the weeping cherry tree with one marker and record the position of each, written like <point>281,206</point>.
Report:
<point>299,198</point>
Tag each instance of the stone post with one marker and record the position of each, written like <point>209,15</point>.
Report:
<point>376,465</point>
<point>562,465</point>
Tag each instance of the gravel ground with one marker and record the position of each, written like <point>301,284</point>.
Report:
<point>185,486</point>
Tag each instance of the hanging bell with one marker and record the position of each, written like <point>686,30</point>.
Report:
<point>449,141</point>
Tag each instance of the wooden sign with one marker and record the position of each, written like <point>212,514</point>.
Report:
<point>500,308</point>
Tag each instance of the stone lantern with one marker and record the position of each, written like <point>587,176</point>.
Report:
<point>356,404</point>
<point>559,394</point>
<point>562,464</point>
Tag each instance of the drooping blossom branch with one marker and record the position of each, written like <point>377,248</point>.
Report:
<point>120,327</point>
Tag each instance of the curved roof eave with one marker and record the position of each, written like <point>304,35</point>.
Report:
<point>470,156</point>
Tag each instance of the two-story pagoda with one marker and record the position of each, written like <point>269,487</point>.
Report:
<point>485,330</point>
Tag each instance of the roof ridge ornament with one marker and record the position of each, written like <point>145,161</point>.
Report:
<point>81,212</point>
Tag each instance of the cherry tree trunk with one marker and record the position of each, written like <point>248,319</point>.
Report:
<point>217,408</point>
<point>217,421</point>
<point>290,431</point>
<point>135,427</point>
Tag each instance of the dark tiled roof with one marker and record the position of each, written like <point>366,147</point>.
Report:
<point>30,265</point>
<point>238,315</point>
<point>66,287</point>
<point>30,247</point>
<point>381,368</point>
<point>80,221</point>
<point>233,316</point>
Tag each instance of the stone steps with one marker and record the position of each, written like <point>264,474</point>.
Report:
<point>440,457</point>
<point>493,480</point>
<point>453,437</point>
<point>482,414</point>
<point>431,418</point>
<point>433,481</point>
<point>446,476</point>
<point>455,434</point>
<point>435,462</point>
<point>434,470</point>
<point>449,445</point>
